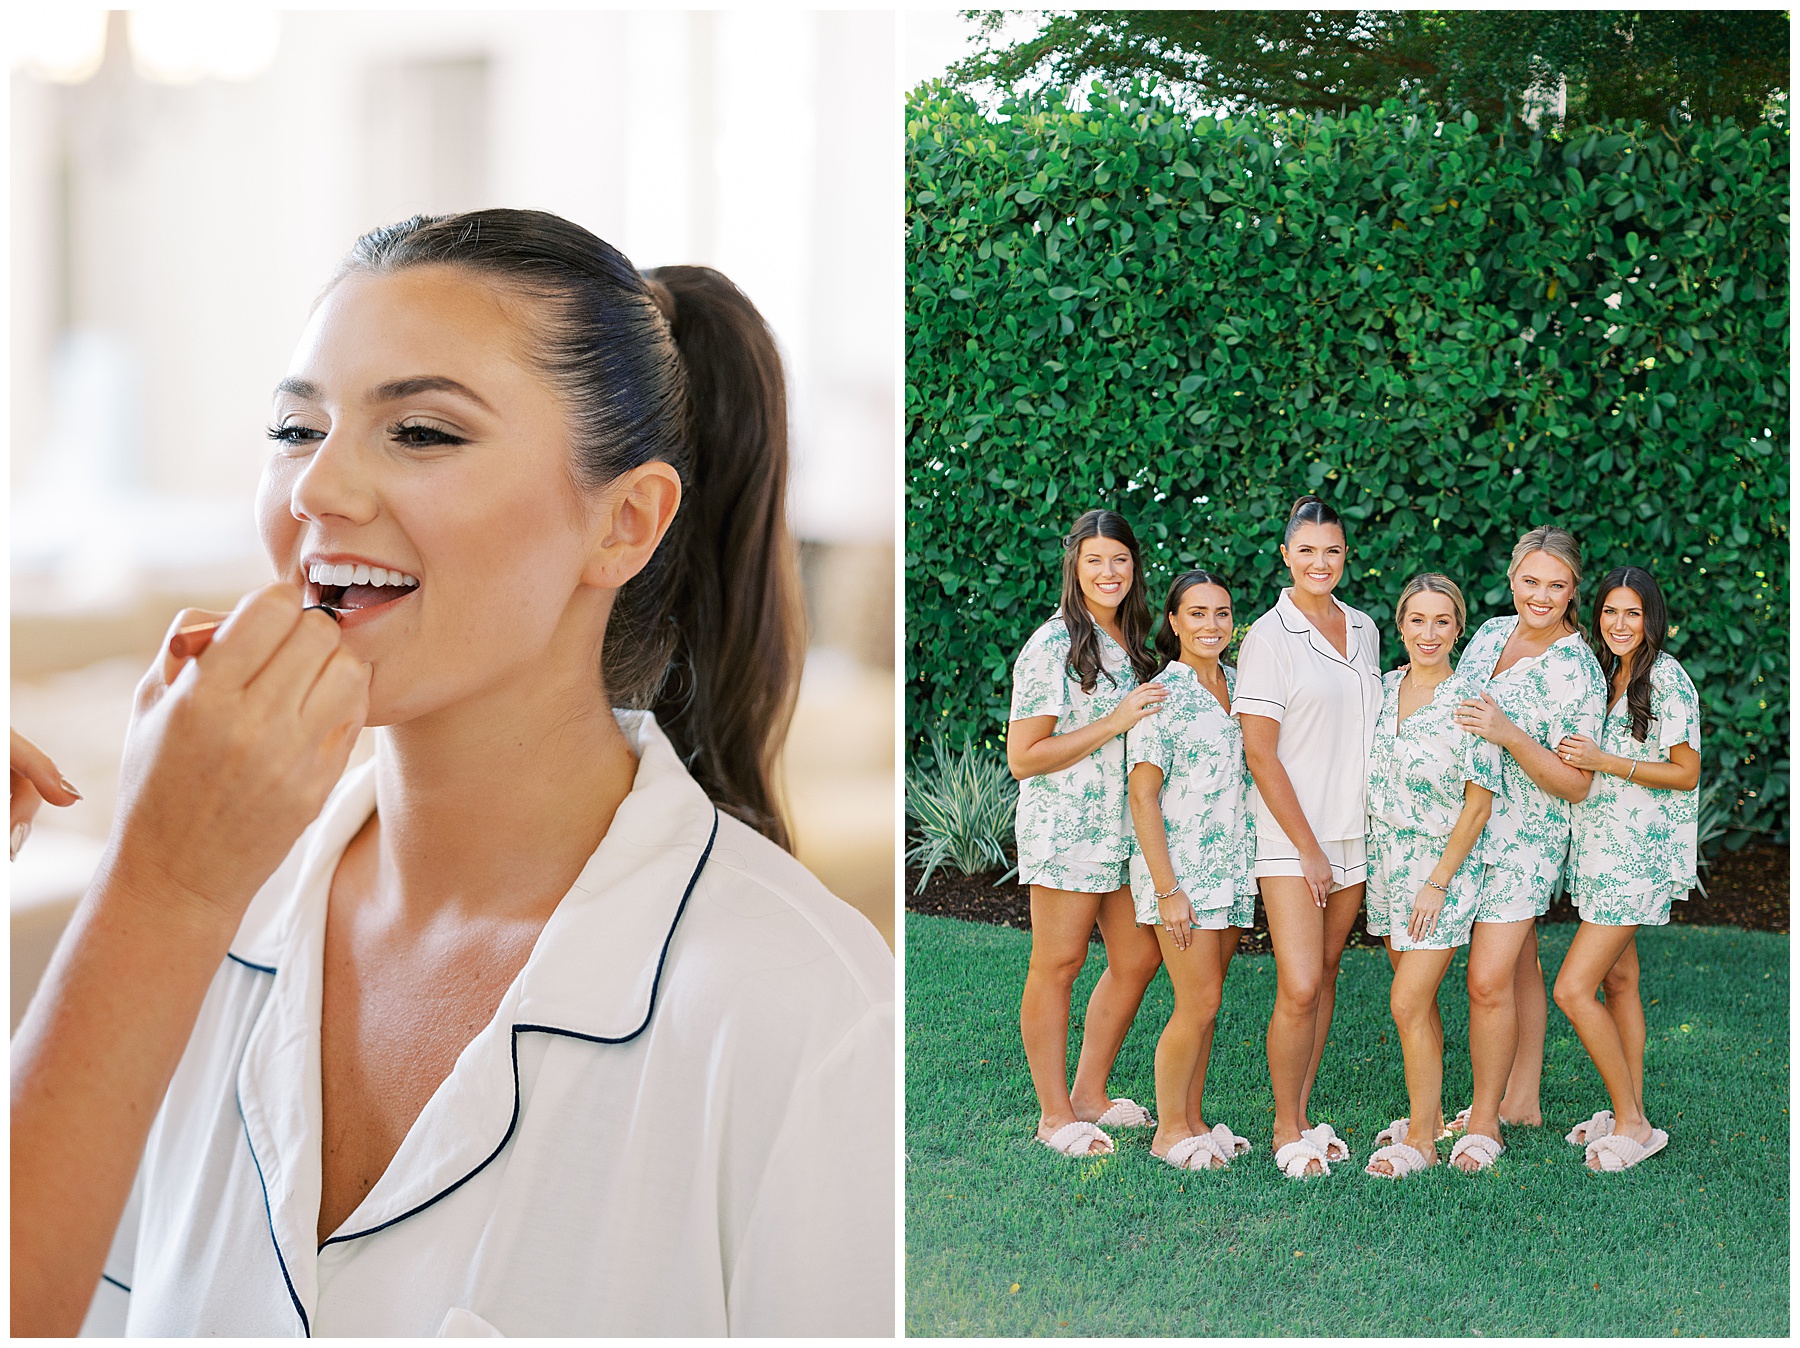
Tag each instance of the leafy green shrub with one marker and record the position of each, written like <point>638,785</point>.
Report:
<point>1451,335</point>
<point>962,804</point>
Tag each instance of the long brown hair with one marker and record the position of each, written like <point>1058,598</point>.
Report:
<point>674,366</point>
<point>1656,632</point>
<point>1134,611</point>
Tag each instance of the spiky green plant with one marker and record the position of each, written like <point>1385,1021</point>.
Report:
<point>1715,819</point>
<point>961,803</point>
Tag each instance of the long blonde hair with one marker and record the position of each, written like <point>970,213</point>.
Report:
<point>1560,544</point>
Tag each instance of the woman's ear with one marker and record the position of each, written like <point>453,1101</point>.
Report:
<point>633,514</point>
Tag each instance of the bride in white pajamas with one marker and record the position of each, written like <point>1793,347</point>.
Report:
<point>530,1026</point>
<point>1308,692</point>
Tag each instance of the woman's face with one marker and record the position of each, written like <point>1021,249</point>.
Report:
<point>1201,622</point>
<point>1428,629</point>
<point>1542,588</point>
<point>412,435</point>
<point>1103,570</point>
<point>1622,621</point>
<point>1315,558</point>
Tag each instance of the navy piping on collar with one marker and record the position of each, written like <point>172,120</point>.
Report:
<point>1351,624</point>
<point>107,1277</point>
<point>517,1030</point>
<point>269,1214</point>
<point>260,968</point>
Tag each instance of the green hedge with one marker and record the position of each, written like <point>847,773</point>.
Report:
<point>1451,335</point>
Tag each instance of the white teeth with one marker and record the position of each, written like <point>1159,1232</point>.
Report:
<point>356,573</point>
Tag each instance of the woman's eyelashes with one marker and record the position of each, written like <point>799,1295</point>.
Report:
<point>410,434</point>
<point>420,435</point>
<point>289,433</point>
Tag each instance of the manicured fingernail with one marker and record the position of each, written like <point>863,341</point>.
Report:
<point>68,786</point>
<point>20,832</point>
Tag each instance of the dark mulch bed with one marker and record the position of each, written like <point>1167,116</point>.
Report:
<point>1749,888</point>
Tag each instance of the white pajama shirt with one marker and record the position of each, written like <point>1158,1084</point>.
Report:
<point>679,1121</point>
<point>1327,705</point>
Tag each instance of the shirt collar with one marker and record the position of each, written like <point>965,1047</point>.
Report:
<point>1297,622</point>
<point>593,969</point>
<point>593,975</point>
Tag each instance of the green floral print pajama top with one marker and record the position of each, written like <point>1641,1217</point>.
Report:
<point>1073,827</point>
<point>1417,771</point>
<point>1211,831</point>
<point>1635,845</point>
<point>1560,692</point>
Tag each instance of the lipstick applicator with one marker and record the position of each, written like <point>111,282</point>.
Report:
<point>188,642</point>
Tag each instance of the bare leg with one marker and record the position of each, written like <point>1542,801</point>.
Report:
<point>1412,999</point>
<point>1297,931</point>
<point>1060,922</point>
<point>1626,1008</point>
<point>1493,1020</point>
<point>1519,1106</point>
<point>1437,1033</point>
<point>1228,941</point>
<point>1132,959</point>
<point>1341,908</point>
<point>1182,1050</point>
<point>1591,955</point>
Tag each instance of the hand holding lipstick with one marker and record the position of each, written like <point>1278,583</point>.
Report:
<point>239,732</point>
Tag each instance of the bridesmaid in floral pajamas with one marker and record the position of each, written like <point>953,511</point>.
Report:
<point>1190,876</point>
<point>1541,684</point>
<point>1634,851</point>
<point>1075,694</point>
<point>1431,788</point>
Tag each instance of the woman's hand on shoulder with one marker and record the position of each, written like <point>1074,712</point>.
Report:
<point>1482,716</point>
<point>231,754</point>
<point>1142,701</point>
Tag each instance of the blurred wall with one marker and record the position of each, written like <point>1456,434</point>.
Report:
<point>177,205</point>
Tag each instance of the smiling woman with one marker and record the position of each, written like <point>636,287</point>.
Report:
<point>530,1025</point>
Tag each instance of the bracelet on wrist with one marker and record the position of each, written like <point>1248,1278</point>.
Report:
<point>1442,889</point>
<point>1170,894</point>
<point>1633,772</point>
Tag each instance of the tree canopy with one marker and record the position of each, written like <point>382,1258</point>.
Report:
<point>1656,65</point>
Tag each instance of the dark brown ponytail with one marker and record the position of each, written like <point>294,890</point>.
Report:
<point>1310,509</point>
<point>680,368</point>
<point>737,613</point>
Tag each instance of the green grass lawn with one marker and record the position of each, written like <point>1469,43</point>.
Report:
<point>1005,1238</point>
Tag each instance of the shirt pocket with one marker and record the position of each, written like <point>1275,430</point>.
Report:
<point>465,1324</point>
